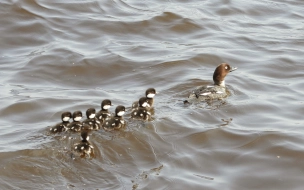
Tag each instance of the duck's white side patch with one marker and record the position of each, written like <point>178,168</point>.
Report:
<point>106,107</point>
<point>77,118</point>
<point>121,113</point>
<point>66,119</point>
<point>150,95</point>
<point>205,94</point>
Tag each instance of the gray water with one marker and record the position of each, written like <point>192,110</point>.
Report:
<point>70,55</point>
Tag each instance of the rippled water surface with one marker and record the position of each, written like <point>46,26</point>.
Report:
<point>70,55</point>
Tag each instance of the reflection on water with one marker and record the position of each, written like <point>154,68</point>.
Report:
<point>66,56</point>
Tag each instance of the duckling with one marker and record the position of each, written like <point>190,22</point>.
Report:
<point>60,127</point>
<point>142,112</point>
<point>150,93</point>
<point>84,147</point>
<point>104,113</point>
<point>117,121</point>
<point>76,125</point>
<point>91,123</point>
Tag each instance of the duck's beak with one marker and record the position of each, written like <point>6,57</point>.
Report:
<point>233,69</point>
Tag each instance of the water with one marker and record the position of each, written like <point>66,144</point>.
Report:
<point>57,56</point>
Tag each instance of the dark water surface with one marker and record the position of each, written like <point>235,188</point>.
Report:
<point>70,55</point>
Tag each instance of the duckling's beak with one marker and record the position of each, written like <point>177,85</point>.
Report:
<point>233,69</point>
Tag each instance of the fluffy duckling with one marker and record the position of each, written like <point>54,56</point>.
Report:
<point>150,93</point>
<point>104,113</point>
<point>60,127</point>
<point>117,121</point>
<point>91,123</point>
<point>142,112</point>
<point>84,147</point>
<point>76,125</point>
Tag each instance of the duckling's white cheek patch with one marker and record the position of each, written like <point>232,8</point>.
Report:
<point>219,92</point>
<point>77,118</point>
<point>66,118</point>
<point>106,107</point>
<point>150,95</point>
<point>88,138</point>
<point>121,113</point>
<point>92,116</point>
<point>145,104</point>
